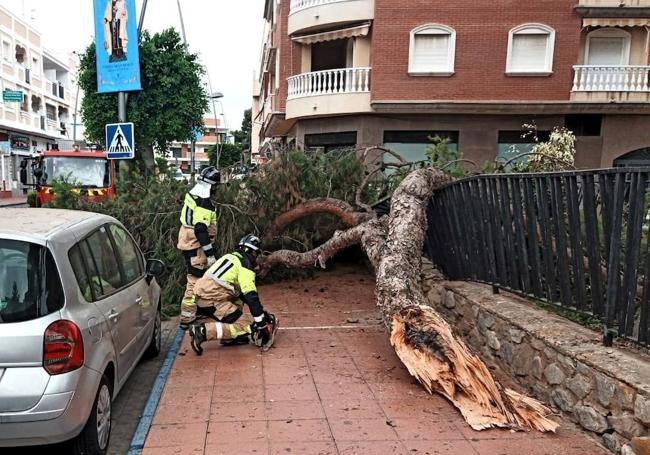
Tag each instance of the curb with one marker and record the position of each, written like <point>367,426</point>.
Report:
<point>142,430</point>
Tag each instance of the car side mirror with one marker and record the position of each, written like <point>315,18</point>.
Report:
<point>155,267</point>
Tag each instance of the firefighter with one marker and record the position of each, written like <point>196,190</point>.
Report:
<point>198,228</point>
<point>219,297</point>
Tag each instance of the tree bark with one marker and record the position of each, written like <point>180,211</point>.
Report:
<point>422,339</point>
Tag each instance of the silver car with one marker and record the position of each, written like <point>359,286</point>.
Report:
<point>79,307</point>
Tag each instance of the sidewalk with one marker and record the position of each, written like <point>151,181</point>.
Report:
<point>13,201</point>
<point>331,385</point>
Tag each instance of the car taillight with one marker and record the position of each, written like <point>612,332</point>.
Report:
<point>63,348</point>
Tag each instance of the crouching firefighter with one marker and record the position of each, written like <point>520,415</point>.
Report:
<point>219,298</point>
<point>198,228</point>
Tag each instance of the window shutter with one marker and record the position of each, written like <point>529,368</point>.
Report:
<point>431,52</point>
<point>529,52</point>
<point>606,51</point>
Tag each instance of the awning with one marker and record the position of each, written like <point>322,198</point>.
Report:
<point>350,32</point>
<point>615,22</point>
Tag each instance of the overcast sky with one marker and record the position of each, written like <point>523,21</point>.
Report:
<point>227,35</point>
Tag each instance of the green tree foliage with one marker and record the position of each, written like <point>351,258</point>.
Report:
<point>230,154</point>
<point>243,136</point>
<point>171,103</point>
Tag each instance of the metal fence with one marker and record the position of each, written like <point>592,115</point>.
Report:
<point>576,239</point>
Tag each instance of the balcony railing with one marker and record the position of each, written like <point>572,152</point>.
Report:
<point>593,78</point>
<point>328,82</point>
<point>302,4</point>
<point>613,3</point>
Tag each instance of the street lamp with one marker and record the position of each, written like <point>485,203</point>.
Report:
<point>217,96</point>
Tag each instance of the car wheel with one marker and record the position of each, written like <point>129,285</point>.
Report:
<point>95,436</point>
<point>155,346</point>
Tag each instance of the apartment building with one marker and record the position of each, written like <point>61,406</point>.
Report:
<point>179,154</point>
<point>47,87</point>
<point>357,73</point>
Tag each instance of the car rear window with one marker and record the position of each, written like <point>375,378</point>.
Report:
<point>30,286</point>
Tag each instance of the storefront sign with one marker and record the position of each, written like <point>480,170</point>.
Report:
<point>12,96</point>
<point>5,147</point>
<point>20,142</point>
<point>116,44</point>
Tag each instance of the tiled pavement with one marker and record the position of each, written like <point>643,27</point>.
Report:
<point>322,391</point>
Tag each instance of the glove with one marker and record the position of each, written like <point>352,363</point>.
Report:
<point>211,260</point>
<point>260,331</point>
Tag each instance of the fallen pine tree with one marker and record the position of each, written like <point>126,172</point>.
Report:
<point>423,340</point>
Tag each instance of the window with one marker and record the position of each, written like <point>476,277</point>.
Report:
<point>608,47</point>
<point>328,142</point>
<point>129,254</point>
<point>177,152</point>
<point>24,106</point>
<point>6,51</point>
<point>50,112</point>
<point>105,275</point>
<point>79,269</point>
<point>30,286</point>
<point>36,67</point>
<point>432,50</point>
<point>530,50</point>
<point>584,124</point>
<point>412,145</point>
<point>515,143</point>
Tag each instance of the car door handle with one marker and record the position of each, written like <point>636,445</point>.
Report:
<point>139,300</point>
<point>113,315</point>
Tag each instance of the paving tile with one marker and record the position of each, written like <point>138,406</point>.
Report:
<point>536,447</point>
<point>279,375</point>
<point>231,393</point>
<point>193,412</point>
<point>362,430</point>
<point>229,433</point>
<point>352,408</point>
<point>299,430</point>
<point>294,410</point>
<point>336,392</point>
<point>238,377</point>
<point>172,451</point>
<point>494,433</point>
<point>371,448</point>
<point>282,392</point>
<point>175,396</point>
<point>443,447</point>
<point>395,390</point>
<point>383,374</point>
<point>188,436</point>
<point>238,448</point>
<point>303,448</point>
<point>432,407</point>
<point>420,429</point>
<point>229,412</point>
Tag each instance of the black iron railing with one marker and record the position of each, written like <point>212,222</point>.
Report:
<point>575,239</point>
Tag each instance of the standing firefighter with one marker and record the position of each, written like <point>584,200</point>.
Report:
<point>220,295</point>
<point>198,221</point>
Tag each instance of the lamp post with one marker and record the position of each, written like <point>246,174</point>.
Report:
<point>217,96</point>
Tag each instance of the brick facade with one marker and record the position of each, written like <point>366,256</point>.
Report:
<point>482,28</point>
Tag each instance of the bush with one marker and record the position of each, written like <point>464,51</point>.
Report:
<point>31,198</point>
<point>149,207</point>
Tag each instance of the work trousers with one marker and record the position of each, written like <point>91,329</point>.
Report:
<point>212,299</point>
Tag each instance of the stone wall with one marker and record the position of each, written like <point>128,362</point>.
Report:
<point>604,390</point>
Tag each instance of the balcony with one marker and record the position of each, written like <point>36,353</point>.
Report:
<point>312,15</point>
<point>611,83</point>
<point>329,92</point>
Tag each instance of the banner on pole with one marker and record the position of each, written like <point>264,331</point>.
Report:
<point>116,44</point>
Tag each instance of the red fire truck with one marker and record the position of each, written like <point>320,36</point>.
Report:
<point>89,170</point>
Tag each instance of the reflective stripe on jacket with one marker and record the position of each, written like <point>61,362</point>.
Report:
<point>229,272</point>
<point>192,213</point>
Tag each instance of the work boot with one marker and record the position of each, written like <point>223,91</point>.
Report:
<point>239,341</point>
<point>272,327</point>
<point>197,337</point>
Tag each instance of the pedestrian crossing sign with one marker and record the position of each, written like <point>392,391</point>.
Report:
<point>120,144</point>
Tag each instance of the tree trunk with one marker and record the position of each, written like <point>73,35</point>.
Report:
<point>422,339</point>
